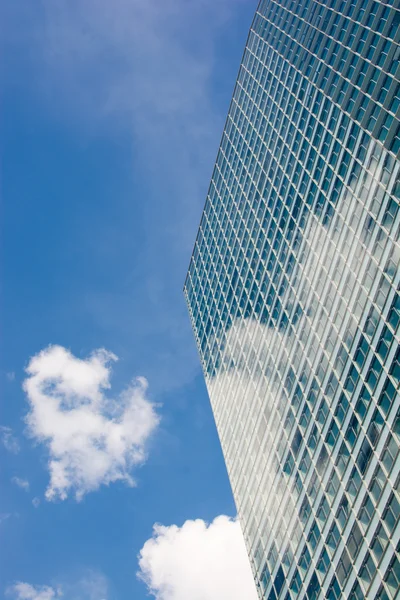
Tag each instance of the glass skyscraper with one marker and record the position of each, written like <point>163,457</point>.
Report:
<point>293,293</point>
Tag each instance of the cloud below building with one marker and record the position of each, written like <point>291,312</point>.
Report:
<point>197,561</point>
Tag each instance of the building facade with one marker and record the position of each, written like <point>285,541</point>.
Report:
<point>293,294</point>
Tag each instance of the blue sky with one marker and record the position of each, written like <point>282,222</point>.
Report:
<point>111,118</point>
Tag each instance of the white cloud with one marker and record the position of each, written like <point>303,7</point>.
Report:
<point>91,439</point>
<point>197,561</point>
<point>36,502</point>
<point>25,591</point>
<point>10,376</point>
<point>21,483</point>
<point>91,586</point>
<point>8,440</point>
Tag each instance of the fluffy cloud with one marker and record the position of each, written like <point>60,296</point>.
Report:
<point>21,483</point>
<point>25,591</point>
<point>91,439</point>
<point>197,561</point>
<point>91,586</point>
<point>8,440</point>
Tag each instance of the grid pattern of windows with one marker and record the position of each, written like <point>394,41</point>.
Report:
<point>293,291</point>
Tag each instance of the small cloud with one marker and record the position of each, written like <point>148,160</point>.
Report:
<point>197,561</point>
<point>10,376</point>
<point>21,483</point>
<point>92,586</point>
<point>92,440</point>
<point>8,440</point>
<point>36,502</point>
<point>25,591</point>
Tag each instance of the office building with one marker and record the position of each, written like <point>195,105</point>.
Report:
<point>293,294</point>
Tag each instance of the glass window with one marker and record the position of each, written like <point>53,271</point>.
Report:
<point>379,543</point>
<point>392,577</point>
<point>367,570</point>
